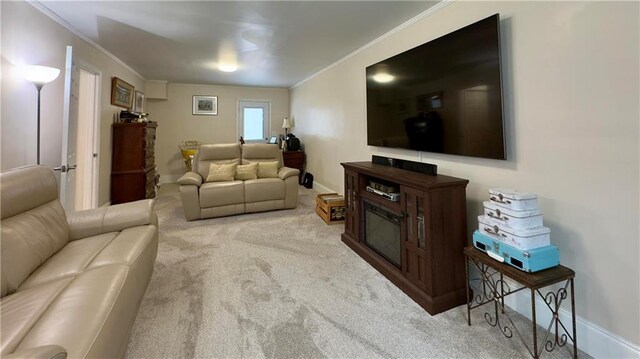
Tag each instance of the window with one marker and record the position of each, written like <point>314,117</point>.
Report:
<point>253,120</point>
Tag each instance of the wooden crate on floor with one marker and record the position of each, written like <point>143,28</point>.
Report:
<point>330,207</point>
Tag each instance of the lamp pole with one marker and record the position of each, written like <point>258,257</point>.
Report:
<point>38,87</point>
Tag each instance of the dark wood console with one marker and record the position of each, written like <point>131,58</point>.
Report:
<point>431,215</point>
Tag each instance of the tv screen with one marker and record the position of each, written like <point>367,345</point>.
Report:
<point>444,96</point>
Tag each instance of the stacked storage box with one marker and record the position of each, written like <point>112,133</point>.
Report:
<point>330,207</point>
<point>512,231</point>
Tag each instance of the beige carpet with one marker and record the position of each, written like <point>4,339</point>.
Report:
<point>282,285</point>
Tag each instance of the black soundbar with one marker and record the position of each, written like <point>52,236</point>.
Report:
<point>426,168</point>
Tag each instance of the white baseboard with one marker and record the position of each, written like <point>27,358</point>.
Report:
<point>169,178</point>
<point>322,188</point>
<point>593,340</point>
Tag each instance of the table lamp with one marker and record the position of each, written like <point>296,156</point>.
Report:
<point>286,124</point>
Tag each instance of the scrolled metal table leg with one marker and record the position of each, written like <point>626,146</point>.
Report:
<point>535,325</point>
<point>573,319</point>
<point>466,266</point>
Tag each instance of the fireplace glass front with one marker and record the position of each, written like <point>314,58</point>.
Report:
<point>382,232</point>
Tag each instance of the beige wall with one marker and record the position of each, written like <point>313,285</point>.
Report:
<point>176,122</point>
<point>31,38</point>
<point>571,104</point>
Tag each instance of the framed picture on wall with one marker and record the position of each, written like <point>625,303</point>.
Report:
<point>205,105</point>
<point>139,107</point>
<point>121,93</point>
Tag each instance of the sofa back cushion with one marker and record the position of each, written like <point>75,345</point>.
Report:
<point>247,172</point>
<point>268,169</point>
<point>221,173</point>
<point>261,152</point>
<point>222,154</point>
<point>34,224</point>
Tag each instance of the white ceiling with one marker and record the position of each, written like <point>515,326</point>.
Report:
<point>275,43</point>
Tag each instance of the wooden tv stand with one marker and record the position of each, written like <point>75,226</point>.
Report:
<point>433,231</point>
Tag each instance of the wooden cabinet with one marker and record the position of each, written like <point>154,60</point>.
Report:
<point>430,218</point>
<point>133,169</point>
<point>294,159</point>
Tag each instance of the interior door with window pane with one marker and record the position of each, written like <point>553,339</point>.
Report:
<point>253,120</point>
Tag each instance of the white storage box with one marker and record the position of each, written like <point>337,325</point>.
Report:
<point>513,199</point>
<point>520,238</point>
<point>503,216</point>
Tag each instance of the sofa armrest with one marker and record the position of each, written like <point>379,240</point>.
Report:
<point>190,178</point>
<point>285,172</point>
<point>114,218</point>
<point>42,352</point>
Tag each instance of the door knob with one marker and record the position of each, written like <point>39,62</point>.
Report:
<point>64,168</point>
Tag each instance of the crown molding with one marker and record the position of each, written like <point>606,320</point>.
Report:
<point>435,8</point>
<point>60,21</point>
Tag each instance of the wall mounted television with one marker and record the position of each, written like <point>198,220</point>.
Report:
<point>444,96</point>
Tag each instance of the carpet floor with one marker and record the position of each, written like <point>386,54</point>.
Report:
<point>281,284</point>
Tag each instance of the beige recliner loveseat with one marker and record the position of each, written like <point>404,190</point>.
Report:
<point>71,283</point>
<point>202,199</point>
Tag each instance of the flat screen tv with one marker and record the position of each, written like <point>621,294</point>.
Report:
<point>444,96</point>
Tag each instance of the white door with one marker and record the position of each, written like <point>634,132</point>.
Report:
<point>253,120</point>
<point>69,133</point>
<point>86,193</point>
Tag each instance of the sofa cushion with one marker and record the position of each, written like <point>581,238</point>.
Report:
<point>220,154</point>
<point>261,152</point>
<point>34,225</point>
<point>247,172</point>
<point>92,252</point>
<point>26,188</point>
<point>76,319</point>
<point>268,169</point>
<point>21,311</point>
<point>221,173</point>
<point>264,189</point>
<point>28,240</point>
<point>91,222</point>
<point>214,194</point>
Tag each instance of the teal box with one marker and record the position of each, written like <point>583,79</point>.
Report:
<point>527,260</point>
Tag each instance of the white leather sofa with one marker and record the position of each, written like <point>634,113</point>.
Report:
<point>201,199</point>
<point>71,283</point>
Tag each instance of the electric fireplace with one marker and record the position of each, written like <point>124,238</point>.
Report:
<point>382,232</point>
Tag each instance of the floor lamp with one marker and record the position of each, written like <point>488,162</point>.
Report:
<point>38,76</point>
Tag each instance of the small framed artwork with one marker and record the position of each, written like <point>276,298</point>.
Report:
<point>205,105</point>
<point>121,93</point>
<point>139,107</point>
<point>273,140</point>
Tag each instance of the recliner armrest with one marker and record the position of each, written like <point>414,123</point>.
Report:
<point>114,218</point>
<point>285,172</point>
<point>190,178</point>
<point>42,352</point>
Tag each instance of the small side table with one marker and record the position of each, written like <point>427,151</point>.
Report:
<point>494,289</point>
<point>294,159</point>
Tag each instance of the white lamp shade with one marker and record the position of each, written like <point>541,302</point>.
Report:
<point>286,123</point>
<point>39,75</point>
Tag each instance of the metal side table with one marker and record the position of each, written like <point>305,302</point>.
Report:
<point>495,289</point>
